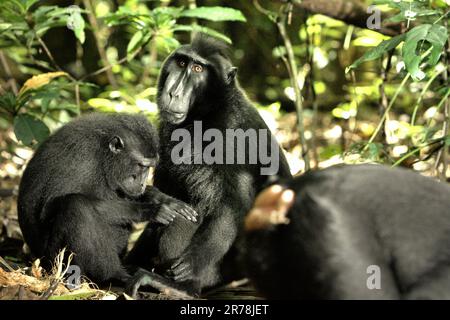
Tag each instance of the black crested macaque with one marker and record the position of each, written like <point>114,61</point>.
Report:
<point>85,186</point>
<point>351,232</point>
<point>198,87</point>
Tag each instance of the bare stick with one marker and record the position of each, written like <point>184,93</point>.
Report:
<point>442,157</point>
<point>8,72</point>
<point>231,285</point>
<point>94,23</point>
<point>281,24</point>
<point>6,264</point>
<point>384,101</point>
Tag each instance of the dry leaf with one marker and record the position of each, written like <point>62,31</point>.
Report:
<point>40,80</point>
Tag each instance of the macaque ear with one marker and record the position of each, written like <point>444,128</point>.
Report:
<point>116,144</point>
<point>231,75</point>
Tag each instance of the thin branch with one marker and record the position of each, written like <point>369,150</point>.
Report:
<point>352,12</point>
<point>442,157</point>
<point>291,65</point>
<point>383,118</point>
<point>50,56</point>
<point>6,264</point>
<point>314,102</point>
<point>47,52</point>
<point>281,24</point>
<point>384,100</point>
<point>94,23</point>
<point>192,4</point>
<point>101,70</point>
<point>232,285</point>
<point>8,72</point>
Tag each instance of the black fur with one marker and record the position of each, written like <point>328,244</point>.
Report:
<point>193,255</point>
<point>85,186</point>
<point>347,218</point>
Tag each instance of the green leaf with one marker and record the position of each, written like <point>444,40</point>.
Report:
<point>168,43</point>
<point>76,23</point>
<point>414,47</point>
<point>8,102</point>
<point>28,3</point>
<point>5,26</point>
<point>215,14</point>
<point>69,107</point>
<point>378,51</point>
<point>135,40</point>
<point>400,17</point>
<point>209,31</point>
<point>139,39</point>
<point>30,130</point>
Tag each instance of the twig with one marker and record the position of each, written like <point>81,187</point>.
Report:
<point>8,72</point>
<point>391,103</point>
<point>409,154</point>
<point>6,264</point>
<point>291,66</point>
<point>384,101</point>
<point>310,54</point>
<point>94,23</point>
<point>442,157</point>
<point>281,24</point>
<point>231,285</point>
<point>192,4</point>
<point>51,289</point>
<point>77,94</point>
<point>422,94</point>
<point>101,70</point>
<point>47,52</point>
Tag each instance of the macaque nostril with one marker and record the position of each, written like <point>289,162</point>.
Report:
<point>134,177</point>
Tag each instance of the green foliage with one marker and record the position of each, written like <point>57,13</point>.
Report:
<point>29,129</point>
<point>413,52</point>
<point>25,22</point>
<point>162,23</point>
<point>423,47</point>
<point>425,40</point>
<point>44,103</point>
<point>378,51</point>
<point>214,14</point>
<point>23,112</point>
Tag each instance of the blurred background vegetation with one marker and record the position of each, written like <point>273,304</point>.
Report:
<point>336,80</point>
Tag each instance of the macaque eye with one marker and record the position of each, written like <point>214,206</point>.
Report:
<point>181,63</point>
<point>197,68</point>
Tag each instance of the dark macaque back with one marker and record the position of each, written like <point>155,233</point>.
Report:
<point>353,232</point>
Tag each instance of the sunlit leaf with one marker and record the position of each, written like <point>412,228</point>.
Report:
<point>416,39</point>
<point>215,14</point>
<point>76,23</point>
<point>135,40</point>
<point>5,26</point>
<point>378,51</point>
<point>40,80</point>
<point>8,102</point>
<point>209,31</point>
